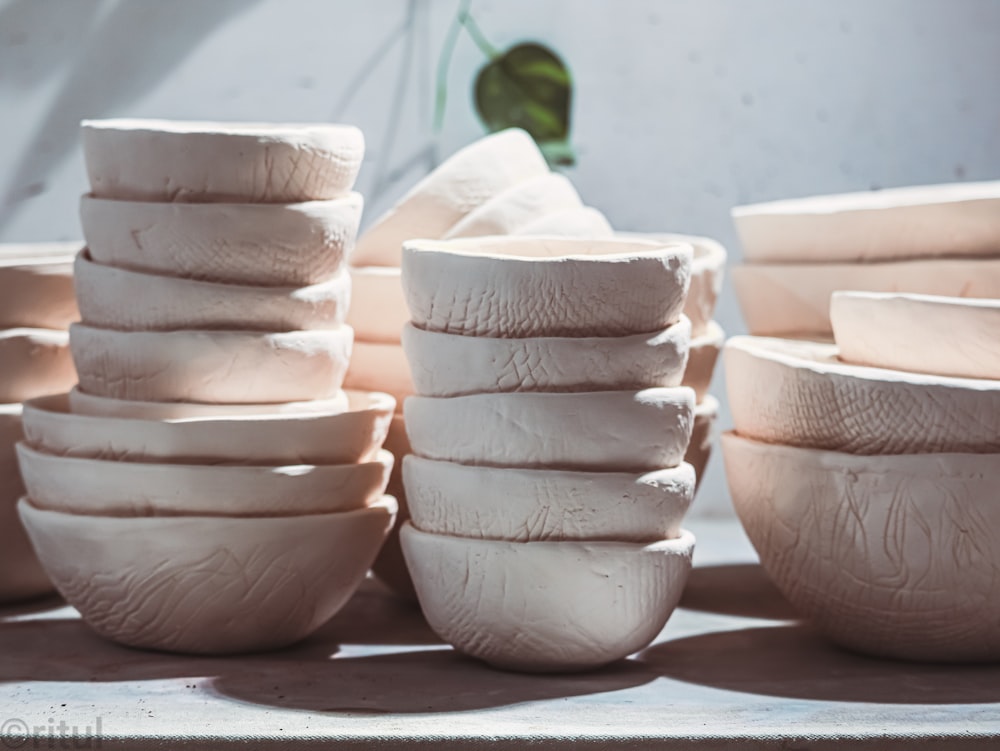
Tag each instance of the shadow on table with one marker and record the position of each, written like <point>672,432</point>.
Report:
<point>743,589</point>
<point>792,661</point>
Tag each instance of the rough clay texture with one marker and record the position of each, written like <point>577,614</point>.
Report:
<point>530,286</point>
<point>546,606</point>
<point>794,299</point>
<point>518,206</point>
<point>211,366</point>
<point>113,298</point>
<point>961,219</point>
<point>800,394</point>
<point>201,162</point>
<point>34,362</point>
<point>890,555</point>
<point>584,222</point>
<point>703,354</point>
<point>36,285</point>
<point>208,585</point>
<point>464,181</point>
<point>452,365</point>
<point>116,488</point>
<point>378,309</point>
<point>601,431</point>
<point>336,436</point>
<point>292,244</point>
<point>525,505</point>
<point>702,436</point>
<point>947,336</point>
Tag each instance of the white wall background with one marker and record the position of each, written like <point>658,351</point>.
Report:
<point>683,108</point>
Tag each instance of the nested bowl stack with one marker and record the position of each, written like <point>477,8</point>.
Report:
<point>209,486</point>
<point>546,485</point>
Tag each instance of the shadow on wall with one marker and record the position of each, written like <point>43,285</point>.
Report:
<point>127,47</point>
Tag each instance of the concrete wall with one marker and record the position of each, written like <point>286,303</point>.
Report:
<point>682,108</point>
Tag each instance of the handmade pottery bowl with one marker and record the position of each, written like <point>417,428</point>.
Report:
<point>179,161</point>
<point>211,366</point>
<point>961,219</point>
<point>336,436</point>
<point>390,566</point>
<point>585,222</point>
<point>801,394</point>
<point>949,336</point>
<point>699,450</point>
<point>703,354</point>
<point>36,285</point>
<point>523,286</point>
<point>378,309</point>
<point>546,606</point>
<point>34,362</point>
<point>265,244</point>
<point>889,555</point>
<point>464,181</point>
<point>615,431</point>
<point>794,299</point>
<point>114,298</point>
<point>209,585</point>
<point>518,206</point>
<point>380,366</point>
<point>453,365</point>
<point>527,505</point>
<point>128,488</point>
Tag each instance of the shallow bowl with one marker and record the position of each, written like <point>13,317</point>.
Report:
<point>34,362</point>
<point>36,285</point>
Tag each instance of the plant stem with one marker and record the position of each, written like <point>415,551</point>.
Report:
<point>477,35</point>
<point>444,62</point>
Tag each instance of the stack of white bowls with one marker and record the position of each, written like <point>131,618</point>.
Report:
<point>209,487</point>
<point>36,309</point>
<point>547,485</point>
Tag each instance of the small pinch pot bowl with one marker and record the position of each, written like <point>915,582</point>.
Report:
<point>334,436</point>
<point>36,285</point>
<point>893,556</point>
<point>114,298</point>
<point>208,584</point>
<point>34,362</point>
<point>452,365</point>
<point>528,505</point>
<point>546,606</point>
<point>703,353</point>
<point>264,244</point>
<point>378,309</point>
<point>177,161</point>
<point>97,487</point>
<point>702,436</point>
<point>584,221</point>
<point>522,286</point>
<point>615,431</point>
<point>211,366</point>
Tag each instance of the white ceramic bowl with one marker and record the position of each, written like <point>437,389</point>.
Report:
<point>699,451</point>
<point>266,244</point>
<point>390,566</point>
<point>615,431</point>
<point>211,366</point>
<point>335,436</point>
<point>114,298</point>
<point>180,161</point>
<point>702,357</point>
<point>521,286</point>
<point>453,365</point>
<point>895,556</point>
<point>378,309</point>
<point>949,336</point>
<point>546,606</point>
<point>36,285</point>
<point>34,362</point>
<point>518,206</point>
<point>585,222</point>
<point>210,585</point>
<point>527,505</point>
<point>380,367</point>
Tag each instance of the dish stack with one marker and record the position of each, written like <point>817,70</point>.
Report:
<point>499,185</point>
<point>36,309</point>
<point>547,485</point>
<point>209,487</point>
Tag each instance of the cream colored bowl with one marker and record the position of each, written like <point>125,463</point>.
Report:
<point>703,355</point>
<point>378,309</point>
<point>34,362</point>
<point>36,285</point>
<point>699,451</point>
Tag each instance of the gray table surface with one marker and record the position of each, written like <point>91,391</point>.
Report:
<point>732,670</point>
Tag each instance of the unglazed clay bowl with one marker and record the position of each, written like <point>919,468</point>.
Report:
<point>34,362</point>
<point>453,365</point>
<point>615,431</point>
<point>390,566</point>
<point>128,488</point>
<point>114,298</point>
<point>894,556</point>
<point>211,366</point>
<point>949,336</point>
<point>208,585</point>
<point>527,505</point>
<point>380,366</point>
<point>36,285</point>
<point>180,161</point>
<point>702,356</point>
<point>699,450</point>
<point>801,394</point>
<point>335,436</point>
<point>21,575</point>
<point>546,606</point>
<point>794,299</point>
<point>467,179</point>
<point>545,286</point>
<point>518,206</point>
<point>378,309</point>
<point>585,221</point>
<point>961,219</point>
<point>264,244</point>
